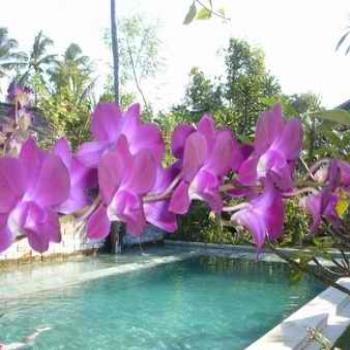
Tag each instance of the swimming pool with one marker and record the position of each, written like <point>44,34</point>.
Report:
<point>198,303</point>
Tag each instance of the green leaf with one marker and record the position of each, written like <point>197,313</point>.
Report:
<point>203,13</point>
<point>191,14</point>
<point>339,116</point>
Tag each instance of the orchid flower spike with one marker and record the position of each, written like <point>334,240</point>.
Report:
<point>206,156</point>
<point>32,187</point>
<point>277,146</point>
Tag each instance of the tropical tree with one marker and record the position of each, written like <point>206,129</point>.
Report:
<point>39,60</point>
<point>138,53</point>
<point>72,70</point>
<point>343,39</point>
<point>68,99</point>
<point>9,58</point>
<point>201,95</point>
<point>248,83</point>
<point>236,99</point>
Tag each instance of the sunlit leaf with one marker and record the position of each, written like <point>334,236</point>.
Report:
<point>191,14</point>
<point>339,116</point>
<point>203,13</point>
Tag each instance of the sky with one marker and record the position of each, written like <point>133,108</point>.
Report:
<point>297,36</point>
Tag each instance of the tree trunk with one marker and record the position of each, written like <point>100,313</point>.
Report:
<point>117,229</point>
<point>115,52</point>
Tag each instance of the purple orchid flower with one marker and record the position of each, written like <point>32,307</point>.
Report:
<point>157,213</point>
<point>324,203</point>
<point>20,98</point>
<point>321,204</point>
<point>277,146</point>
<point>263,215</point>
<point>20,95</point>
<point>123,180</point>
<point>31,188</point>
<point>338,174</point>
<point>206,156</point>
<point>107,126</point>
<point>82,179</point>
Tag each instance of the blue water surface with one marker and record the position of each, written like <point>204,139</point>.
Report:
<point>199,303</point>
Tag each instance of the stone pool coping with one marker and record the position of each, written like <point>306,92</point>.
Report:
<point>328,312</point>
<point>250,251</point>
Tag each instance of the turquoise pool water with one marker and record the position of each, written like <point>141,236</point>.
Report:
<point>199,303</point>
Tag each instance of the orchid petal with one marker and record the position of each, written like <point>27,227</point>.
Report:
<point>263,216</point>
<point>98,226</point>
<point>128,208</point>
<point>178,139</point>
<point>247,174</point>
<point>53,183</point>
<point>110,175</point>
<point>133,112</point>
<point>194,155</point>
<point>143,173</point>
<point>291,140</point>
<point>206,186</point>
<point>41,227</point>
<point>105,120</point>
<point>148,137</point>
<point>269,127</point>
<point>12,183</point>
<point>5,234</point>
<point>312,204</point>
<point>180,200</point>
<point>62,150</point>
<point>31,157</point>
<point>344,173</point>
<point>158,214</point>
<point>206,126</point>
<point>89,153</point>
<point>220,159</point>
<point>253,223</point>
<point>240,154</point>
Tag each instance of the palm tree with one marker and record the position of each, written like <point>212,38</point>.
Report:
<point>39,60</point>
<point>9,59</point>
<point>74,54</point>
<point>72,71</point>
<point>342,40</point>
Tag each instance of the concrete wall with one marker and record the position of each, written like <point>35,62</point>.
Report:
<point>151,234</point>
<point>73,241</point>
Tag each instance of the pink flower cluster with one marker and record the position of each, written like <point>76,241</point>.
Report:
<point>123,167</point>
